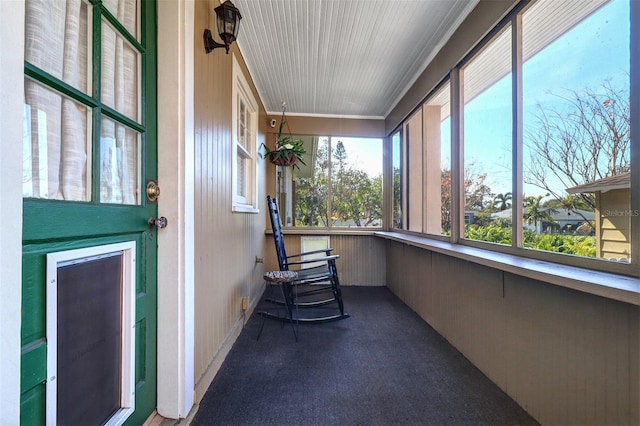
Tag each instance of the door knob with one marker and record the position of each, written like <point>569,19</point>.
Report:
<point>159,223</point>
<point>153,191</point>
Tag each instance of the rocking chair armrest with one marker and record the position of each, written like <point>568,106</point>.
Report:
<point>327,251</point>
<point>318,259</point>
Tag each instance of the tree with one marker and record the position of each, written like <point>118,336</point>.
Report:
<point>535,212</point>
<point>340,157</point>
<point>586,139</point>
<point>475,193</point>
<point>397,199</point>
<point>570,202</point>
<point>311,192</point>
<point>502,201</point>
<point>356,198</point>
<point>445,200</point>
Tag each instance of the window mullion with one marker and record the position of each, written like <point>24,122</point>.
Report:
<point>457,156</point>
<point>517,120</point>
<point>634,102</point>
<point>66,89</point>
<point>122,30</point>
<point>387,183</point>
<point>242,150</point>
<point>96,86</point>
<point>406,185</point>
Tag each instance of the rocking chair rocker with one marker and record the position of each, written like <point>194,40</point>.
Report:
<point>317,288</point>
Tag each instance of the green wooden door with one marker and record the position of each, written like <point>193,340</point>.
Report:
<point>89,151</point>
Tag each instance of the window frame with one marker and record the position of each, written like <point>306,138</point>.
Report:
<point>249,151</point>
<point>91,98</point>
<point>286,173</point>
<point>514,18</point>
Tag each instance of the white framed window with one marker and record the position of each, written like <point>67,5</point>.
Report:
<point>339,185</point>
<point>244,144</point>
<point>312,243</point>
<point>422,167</point>
<point>541,140</point>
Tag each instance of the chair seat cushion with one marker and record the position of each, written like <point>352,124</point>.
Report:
<point>280,276</point>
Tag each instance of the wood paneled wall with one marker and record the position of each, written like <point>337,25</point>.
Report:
<point>330,126</point>
<point>226,243</point>
<point>361,257</point>
<point>565,356</point>
<point>614,216</point>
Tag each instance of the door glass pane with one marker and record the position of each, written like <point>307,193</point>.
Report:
<point>487,142</point>
<point>576,128</point>
<point>126,11</point>
<point>56,146</point>
<point>119,163</point>
<point>57,41</point>
<point>120,74</point>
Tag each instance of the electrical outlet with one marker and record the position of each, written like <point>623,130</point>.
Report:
<point>245,303</point>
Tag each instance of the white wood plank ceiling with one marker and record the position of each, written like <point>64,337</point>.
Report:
<point>342,58</point>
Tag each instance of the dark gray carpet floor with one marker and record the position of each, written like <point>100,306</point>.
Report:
<point>382,366</point>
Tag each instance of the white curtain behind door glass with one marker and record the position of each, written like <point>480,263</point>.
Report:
<point>56,41</point>
<point>120,90</point>
<point>119,163</point>
<point>127,13</point>
<point>58,142</point>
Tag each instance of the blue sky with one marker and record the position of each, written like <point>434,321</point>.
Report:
<point>594,51</point>
<point>363,153</point>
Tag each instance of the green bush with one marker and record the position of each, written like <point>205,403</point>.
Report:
<point>493,233</point>
<point>579,245</point>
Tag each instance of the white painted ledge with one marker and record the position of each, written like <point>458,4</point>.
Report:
<point>612,286</point>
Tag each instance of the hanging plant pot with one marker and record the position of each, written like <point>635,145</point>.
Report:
<point>283,158</point>
<point>288,150</point>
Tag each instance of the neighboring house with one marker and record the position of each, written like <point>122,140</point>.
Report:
<point>564,220</point>
<point>469,217</point>
<point>613,214</point>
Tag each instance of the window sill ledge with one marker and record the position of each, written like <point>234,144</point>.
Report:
<point>244,209</point>
<point>324,231</point>
<point>611,286</point>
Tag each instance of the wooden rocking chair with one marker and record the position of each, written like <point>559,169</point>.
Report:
<point>316,291</point>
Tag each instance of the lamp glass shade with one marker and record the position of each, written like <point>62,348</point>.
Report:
<point>228,19</point>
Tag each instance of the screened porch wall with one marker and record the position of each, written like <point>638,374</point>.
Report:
<point>226,243</point>
<point>565,356</point>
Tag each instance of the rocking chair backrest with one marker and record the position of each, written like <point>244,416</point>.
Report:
<point>278,237</point>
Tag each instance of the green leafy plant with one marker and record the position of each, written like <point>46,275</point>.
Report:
<point>288,151</point>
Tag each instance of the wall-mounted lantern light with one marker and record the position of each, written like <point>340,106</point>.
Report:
<point>228,19</point>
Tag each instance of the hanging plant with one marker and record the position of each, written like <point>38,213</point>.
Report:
<point>288,151</point>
